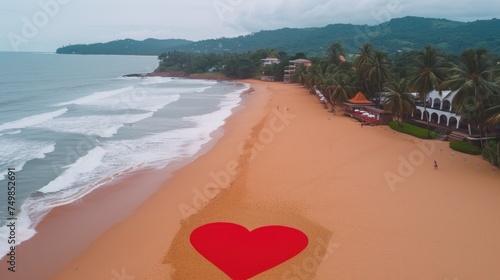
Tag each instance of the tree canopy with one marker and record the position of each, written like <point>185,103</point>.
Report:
<point>405,34</point>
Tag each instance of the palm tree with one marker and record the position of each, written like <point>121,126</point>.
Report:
<point>339,87</point>
<point>300,74</point>
<point>475,89</point>
<point>474,117</point>
<point>378,71</point>
<point>310,78</point>
<point>428,72</point>
<point>334,53</point>
<point>323,65</point>
<point>365,54</point>
<point>493,115</point>
<point>398,100</point>
<point>493,112</point>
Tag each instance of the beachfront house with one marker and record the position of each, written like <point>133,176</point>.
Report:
<point>290,69</point>
<point>270,61</point>
<point>267,62</point>
<point>440,113</point>
<point>438,109</point>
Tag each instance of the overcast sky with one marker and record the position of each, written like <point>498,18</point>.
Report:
<point>44,25</point>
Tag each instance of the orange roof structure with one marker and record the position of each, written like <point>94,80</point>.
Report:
<point>360,98</point>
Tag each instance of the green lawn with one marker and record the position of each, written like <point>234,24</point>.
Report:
<point>465,147</point>
<point>412,130</point>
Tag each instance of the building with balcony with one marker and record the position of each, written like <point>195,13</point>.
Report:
<point>438,109</point>
<point>440,112</point>
<point>293,64</point>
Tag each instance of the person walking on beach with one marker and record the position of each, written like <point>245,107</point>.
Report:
<point>435,164</point>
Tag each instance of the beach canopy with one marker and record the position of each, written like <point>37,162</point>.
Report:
<point>360,98</point>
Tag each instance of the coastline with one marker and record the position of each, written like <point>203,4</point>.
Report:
<point>159,218</point>
<point>183,75</point>
<point>324,175</point>
<point>67,230</point>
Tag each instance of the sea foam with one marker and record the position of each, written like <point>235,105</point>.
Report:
<point>96,96</point>
<point>100,125</point>
<point>114,157</point>
<point>76,171</point>
<point>32,120</point>
<point>17,154</point>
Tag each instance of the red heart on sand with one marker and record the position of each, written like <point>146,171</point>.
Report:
<point>241,253</point>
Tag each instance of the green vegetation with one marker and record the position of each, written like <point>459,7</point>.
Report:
<point>398,100</point>
<point>396,63</point>
<point>465,147</point>
<point>428,72</point>
<point>491,153</point>
<point>412,130</point>
<point>474,74</point>
<point>240,66</point>
<point>397,36</point>
<point>125,47</point>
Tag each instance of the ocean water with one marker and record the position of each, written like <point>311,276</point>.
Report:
<point>67,122</point>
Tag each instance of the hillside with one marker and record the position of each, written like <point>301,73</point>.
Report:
<point>125,47</point>
<point>407,33</point>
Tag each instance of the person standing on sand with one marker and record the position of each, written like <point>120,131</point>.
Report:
<point>435,164</point>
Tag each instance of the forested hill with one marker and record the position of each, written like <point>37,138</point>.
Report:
<point>408,33</point>
<point>125,47</point>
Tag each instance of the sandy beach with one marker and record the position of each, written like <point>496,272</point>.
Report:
<point>368,198</point>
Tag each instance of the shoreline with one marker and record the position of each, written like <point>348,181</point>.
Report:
<point>168,199</point>
<point>326,176</point>
<point>182,75</point>
<point>110,204</point>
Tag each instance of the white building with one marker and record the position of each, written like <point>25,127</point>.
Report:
<point>439,109</point>
<point>270,61</point>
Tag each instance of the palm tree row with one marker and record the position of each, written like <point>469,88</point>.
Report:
<point>474,77</point>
